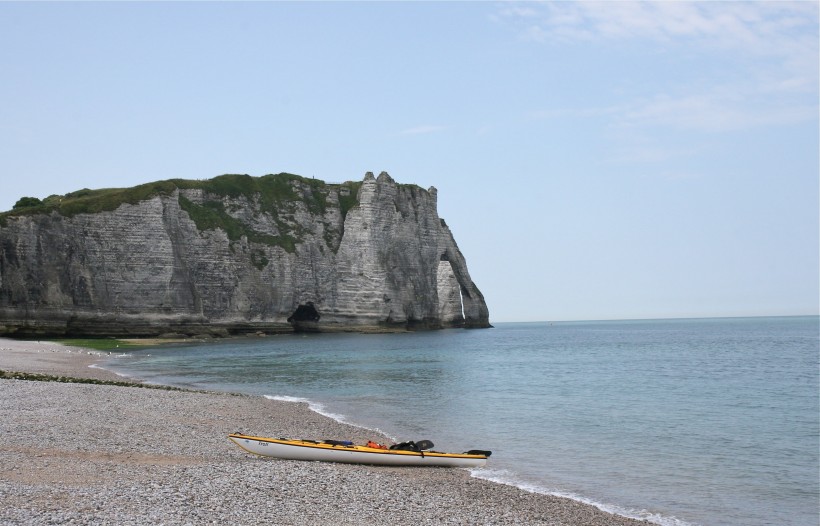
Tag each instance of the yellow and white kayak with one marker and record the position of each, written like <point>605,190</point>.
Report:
<point>352,454</point>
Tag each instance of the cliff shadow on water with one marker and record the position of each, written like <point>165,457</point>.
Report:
<point>232,255</point>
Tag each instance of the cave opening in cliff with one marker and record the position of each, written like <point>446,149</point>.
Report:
<point>306,312</point>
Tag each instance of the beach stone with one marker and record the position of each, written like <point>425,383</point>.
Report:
<point>113,455</point>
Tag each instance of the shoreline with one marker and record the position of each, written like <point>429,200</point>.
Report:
<point>117,454</point>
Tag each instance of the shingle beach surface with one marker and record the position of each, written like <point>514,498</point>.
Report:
<point>99,454</point>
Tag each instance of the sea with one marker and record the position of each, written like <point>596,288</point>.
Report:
<point>680,422</point>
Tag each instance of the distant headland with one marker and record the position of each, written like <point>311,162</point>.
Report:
<point>233,255</point>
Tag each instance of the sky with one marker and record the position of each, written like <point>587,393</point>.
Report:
<point>594,161</point>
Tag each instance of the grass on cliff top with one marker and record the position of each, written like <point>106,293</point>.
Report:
<point>274,194</point>
<point>272,190</point>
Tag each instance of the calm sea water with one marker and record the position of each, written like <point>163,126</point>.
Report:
<point>712,421</point>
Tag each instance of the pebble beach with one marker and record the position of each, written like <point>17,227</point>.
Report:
<point>74,453</point>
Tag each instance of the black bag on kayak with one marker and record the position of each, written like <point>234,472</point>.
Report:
<point>424,445</point>
<point>421,445</point>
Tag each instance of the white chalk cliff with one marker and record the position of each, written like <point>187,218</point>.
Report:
<point>231,255</point>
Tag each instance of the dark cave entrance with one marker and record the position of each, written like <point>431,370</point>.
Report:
<point>305,317</point>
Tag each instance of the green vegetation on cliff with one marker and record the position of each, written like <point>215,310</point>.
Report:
<point>87,201</point>
<point>274,193</point>
<point>211,215</point>
<point>27,202</point>
<point>348,196</point>
<point>270,189</point>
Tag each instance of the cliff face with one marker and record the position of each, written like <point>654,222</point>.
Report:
<point>234,254</point>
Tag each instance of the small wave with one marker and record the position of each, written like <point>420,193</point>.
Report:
<point>502,476</point>
<point>316,407</point>
<point>95,366</point>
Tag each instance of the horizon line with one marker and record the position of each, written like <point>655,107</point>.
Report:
<point>664,319</point>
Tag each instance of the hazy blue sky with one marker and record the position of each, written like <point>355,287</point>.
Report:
<point>594,160</point>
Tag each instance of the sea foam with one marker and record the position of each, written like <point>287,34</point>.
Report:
<point>121,375</point>
<point>316,407</point>
<point>508,478</point>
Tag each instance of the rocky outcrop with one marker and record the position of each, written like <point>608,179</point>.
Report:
<point>231,255</point>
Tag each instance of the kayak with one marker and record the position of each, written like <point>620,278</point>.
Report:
<point>334,451</point>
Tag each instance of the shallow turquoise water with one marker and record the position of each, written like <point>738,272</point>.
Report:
<point>712,421</point>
